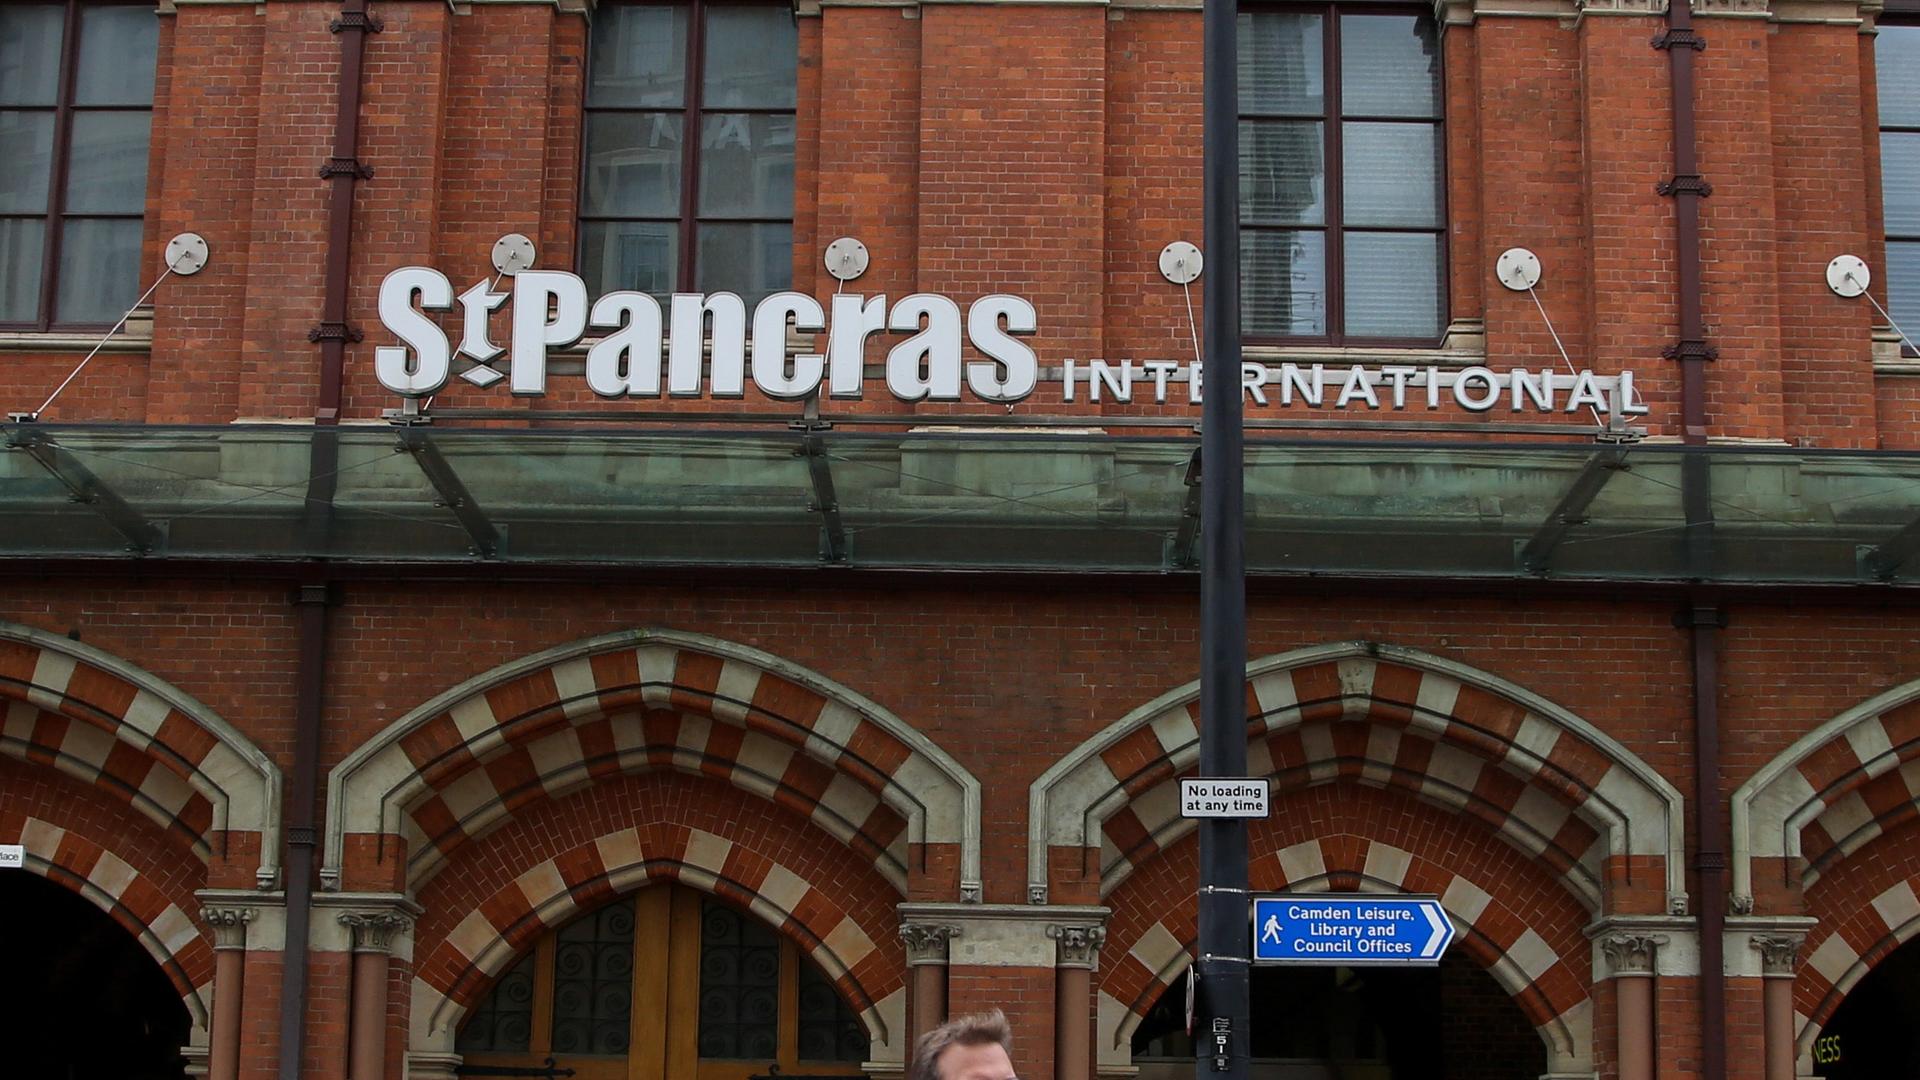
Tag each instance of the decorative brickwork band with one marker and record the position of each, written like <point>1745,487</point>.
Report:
<point>1549,783</point>
<point>1631,954</point>
<point>138,740</point>
<point>1826,797</point>
<point>655,700</point>
<point>1779,954</point>
<point>927,942</point>
<point>229,925</point>
<point>374,931</point>
<point>1078,946</point>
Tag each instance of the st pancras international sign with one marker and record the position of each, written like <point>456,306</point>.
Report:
<point>705,345</point>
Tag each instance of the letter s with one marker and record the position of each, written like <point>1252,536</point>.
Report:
<point>1016,356</point>
<point>432,361</point>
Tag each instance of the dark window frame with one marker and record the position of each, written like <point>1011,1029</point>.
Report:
<point>1333,227</point>
<point>1898,13</point>
<point>55,214</point>
<point>692,115</point>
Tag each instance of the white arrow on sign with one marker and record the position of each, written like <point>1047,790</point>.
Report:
<point>1441,931</point>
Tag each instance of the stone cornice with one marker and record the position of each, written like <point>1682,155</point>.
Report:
<point>1007,935</point>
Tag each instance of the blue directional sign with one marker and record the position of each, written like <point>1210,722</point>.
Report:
<point>1394,931</point>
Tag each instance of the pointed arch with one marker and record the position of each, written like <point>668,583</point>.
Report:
<point>862,956</point>
<point>89,866</point>
<point>1820,800</point>
<point>544,725</point>
<point>1545,967</point>
<point>1545,780</point>
<point>141,740</point>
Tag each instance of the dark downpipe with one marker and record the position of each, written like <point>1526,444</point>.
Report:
<point>1224,939</point>
<point>1687,188</point>
<point>1700,617</point>
<point>342,171</point>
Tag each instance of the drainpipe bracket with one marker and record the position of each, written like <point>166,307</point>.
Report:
<point>345,166</point>
<point>1699,615</point>
<point>333,331</point>
<point>355,20</point>
<point>1685,184</point>
<point>1689,349</point>
<point>1682,38</point>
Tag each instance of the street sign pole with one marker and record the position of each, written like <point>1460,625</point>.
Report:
<point>1224,945</point>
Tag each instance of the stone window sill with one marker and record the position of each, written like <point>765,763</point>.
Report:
<point>134,337</point>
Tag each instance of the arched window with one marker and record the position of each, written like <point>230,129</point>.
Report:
<point>662,210</point>
<point>667,984</point>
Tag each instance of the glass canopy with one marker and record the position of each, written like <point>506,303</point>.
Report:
<point>944,500</point>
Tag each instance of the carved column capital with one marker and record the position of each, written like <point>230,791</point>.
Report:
<point>1076,945</point>
<point>1779,954</point>
<point>927,942</point>
<point>1631,954</point>
<point>229,925</point>
<point>374,931</point>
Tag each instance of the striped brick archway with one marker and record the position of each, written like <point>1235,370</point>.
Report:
<point>143,906</point>
<point>142,742</point>
<point>1820,800</point>
<point>1863,911</point>
<point>862,954</point>
<point>1546,979</point>
<point>659,699</point>
<point>1549,783</point>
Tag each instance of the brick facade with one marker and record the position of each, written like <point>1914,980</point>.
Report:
<point>822,747</point>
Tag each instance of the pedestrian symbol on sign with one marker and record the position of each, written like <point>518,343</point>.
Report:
<point>1271,931</point>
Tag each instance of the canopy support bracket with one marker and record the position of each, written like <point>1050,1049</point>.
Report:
<point>1180,554</point>
<point>484,538</point>
<point>142,536</point>
<point>1536,556</point>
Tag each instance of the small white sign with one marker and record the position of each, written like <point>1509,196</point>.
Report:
<point>1223,798</point>
<point>12,856</point>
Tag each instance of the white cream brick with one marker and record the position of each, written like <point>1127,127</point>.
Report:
<point>707,851</point>
<point>51,673</point>
<point>1465,900</point>
<point>734,690</point>
<point>1387,863</point>
<point>1897,906</point>
<point>579,694</point>
<point>1302,861</point>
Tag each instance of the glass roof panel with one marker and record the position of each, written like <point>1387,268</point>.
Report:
<point>952,500</point>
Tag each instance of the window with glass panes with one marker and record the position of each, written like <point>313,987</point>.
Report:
<point>1342,209</point>
<point>76,107</point>
<point>1897,61</point>
<point>662,210</point>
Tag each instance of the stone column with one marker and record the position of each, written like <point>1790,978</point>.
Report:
<point>373,934</point>
<point>1779,956</point>
<point>229,926</point>
<point>927,960</point>
<point>1630,958</point>
<point>1077,951</point>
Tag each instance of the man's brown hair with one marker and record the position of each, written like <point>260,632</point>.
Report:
<point>977,1029</point>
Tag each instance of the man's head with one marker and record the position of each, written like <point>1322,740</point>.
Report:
<point>977,1047</point>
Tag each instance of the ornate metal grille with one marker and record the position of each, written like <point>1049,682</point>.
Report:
<point>739,985</point>
<point>829,1030</point>
<point>504,1021</point>
<point>593,983</point>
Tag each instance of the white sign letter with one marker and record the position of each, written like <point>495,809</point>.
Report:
<point>689,316</point>
<point>854,320</point>
<point>770,345</point>
<point>626,361</point>
<point>1016,356</point>
<point>533,291</point>
<point>427,369</point>
<point>926,365</point>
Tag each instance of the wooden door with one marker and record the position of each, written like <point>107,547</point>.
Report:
<point>667,984</point>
